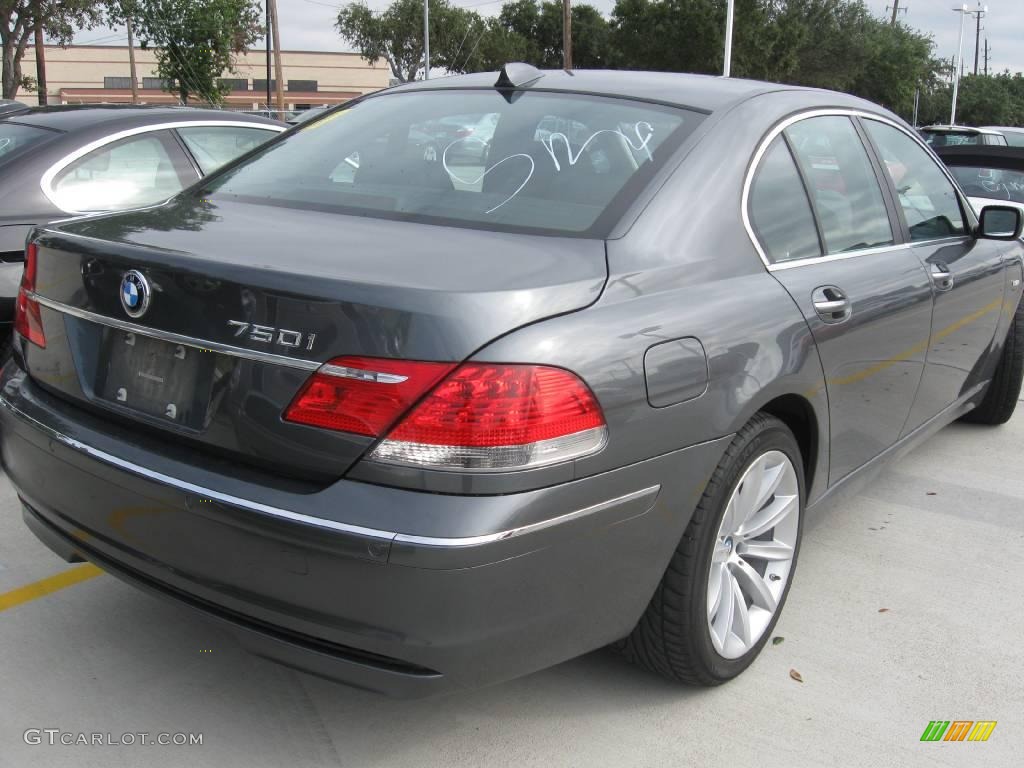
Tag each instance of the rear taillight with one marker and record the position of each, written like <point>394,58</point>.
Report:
<point>481,416</point>
<point>363,395</point>
<point>28,320</point>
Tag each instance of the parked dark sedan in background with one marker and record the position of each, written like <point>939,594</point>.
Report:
<point>8,107</point>
<point>419,426</point>
<point>57,162</point>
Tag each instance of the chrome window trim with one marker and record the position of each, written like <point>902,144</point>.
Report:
<point>175,338</point>
<point>297,517</point>
<point>762,149</point>
<point>46,182</point>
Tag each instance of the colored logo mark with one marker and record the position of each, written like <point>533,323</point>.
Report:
<point>958,730</point>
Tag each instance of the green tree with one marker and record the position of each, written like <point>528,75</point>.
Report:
<point>60,19</point>
<point>396,35</point>
<point>196,41</point>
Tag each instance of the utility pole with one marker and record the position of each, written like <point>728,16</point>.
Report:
<point>278,75</point>
<point>978,15</point>
<point>269,76</point>
<point>426,39</point>
<point>895,10</point>
<point>131,59</point>
<point>40,54</point>
<point>988,56</point>
<point>566,36</point>
<point>730,11</point>
<point>958,62</point>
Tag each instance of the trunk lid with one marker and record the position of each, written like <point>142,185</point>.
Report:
<point>256,297</point>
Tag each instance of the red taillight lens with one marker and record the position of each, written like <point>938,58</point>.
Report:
<point>476,417</point>
<point>363,395</point>
<point>497,417</point>
<point>28,320</point>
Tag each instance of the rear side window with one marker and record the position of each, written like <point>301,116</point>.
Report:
<point>779,210</point>
<point>16,139</point>
<point>842,181</point>
<point>137,171</point>
<point>926,195</point>
<point>214,146</point>
<point>1014,138</point>
<point>557,163</point>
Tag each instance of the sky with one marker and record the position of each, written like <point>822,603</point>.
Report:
<point>309,25</point>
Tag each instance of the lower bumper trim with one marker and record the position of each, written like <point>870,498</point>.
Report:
<point>352,666</point>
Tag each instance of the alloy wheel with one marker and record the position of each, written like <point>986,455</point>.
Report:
<point>753,554</point>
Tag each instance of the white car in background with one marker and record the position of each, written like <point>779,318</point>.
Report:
<point>1014,136</point>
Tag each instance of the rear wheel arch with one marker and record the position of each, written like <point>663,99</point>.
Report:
<point>797,413</point>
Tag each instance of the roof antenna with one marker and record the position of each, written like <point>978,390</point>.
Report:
<point>518,75</point>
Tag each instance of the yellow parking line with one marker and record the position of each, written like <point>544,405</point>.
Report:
<point>48,585</point>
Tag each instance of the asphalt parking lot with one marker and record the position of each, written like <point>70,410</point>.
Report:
<point>935,540</point>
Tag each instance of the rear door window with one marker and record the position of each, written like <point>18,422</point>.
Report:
<point>541,162</point>
<point>140,170</point>
<point>926,195</point>
<point>779,209</point>
<point>842,182</point>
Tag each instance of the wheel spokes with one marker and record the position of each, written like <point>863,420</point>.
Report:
<point>764,550</point>
<point>716,587</point>
<point>741,615</point>
<point>753,586</point>
<point>722,625</point>
<point>769,517</point>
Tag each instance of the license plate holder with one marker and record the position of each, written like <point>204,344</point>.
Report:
<point>168,382</point>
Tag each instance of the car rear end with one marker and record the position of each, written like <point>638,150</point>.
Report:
<point>273,398</point>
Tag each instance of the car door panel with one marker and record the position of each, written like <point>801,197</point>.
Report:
<point>865,296</point>
<point>967,274</point>
<point>873,360</point>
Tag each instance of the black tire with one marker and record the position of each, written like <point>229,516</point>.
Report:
<point>672,638</point>
<point>1001,396</point>
<point>6,347</point>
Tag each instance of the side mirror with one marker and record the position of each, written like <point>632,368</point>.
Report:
<point>1000,222</point>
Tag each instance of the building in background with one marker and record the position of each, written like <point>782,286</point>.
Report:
<point>100,74</point>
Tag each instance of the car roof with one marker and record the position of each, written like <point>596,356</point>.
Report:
<point>1002,129</point>
<point>77,117</point>
<point>982,156</point>
<point>960,129</point>
<point>703,92</point>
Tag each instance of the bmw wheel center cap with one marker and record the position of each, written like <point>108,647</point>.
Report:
<point>135,293</point>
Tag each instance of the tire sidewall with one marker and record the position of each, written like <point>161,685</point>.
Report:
<point>771,437</point>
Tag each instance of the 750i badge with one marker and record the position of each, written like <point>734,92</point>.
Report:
<point>269,335</point>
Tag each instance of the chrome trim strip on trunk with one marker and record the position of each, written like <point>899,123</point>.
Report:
<point>175,338</point>
<point>319,522</point>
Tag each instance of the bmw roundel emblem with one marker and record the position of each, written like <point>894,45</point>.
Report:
<point>135,293</point>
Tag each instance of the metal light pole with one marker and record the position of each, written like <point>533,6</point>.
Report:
<point>269,76</point>
<point>962,10</point>
<point>729,12</point>
<point>426,39</point>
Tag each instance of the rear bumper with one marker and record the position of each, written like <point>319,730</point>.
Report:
<point>440,592</point>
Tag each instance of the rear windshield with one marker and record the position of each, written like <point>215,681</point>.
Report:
<point>16,139</point>
<point>951,138</point>
<point>991,183</point>
<point>545,162</point>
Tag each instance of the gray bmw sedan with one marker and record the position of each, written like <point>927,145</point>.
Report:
<point>475,375</point>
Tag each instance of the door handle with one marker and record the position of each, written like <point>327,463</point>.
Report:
<point>942,277</point>
<point>831,304</point>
